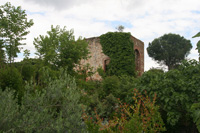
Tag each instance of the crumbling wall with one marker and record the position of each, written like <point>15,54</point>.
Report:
<point>98,59</point>
<point>139,46</point>
<point>96,56</point>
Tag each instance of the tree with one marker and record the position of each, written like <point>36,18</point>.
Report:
<point>13,28</point>
<point>177,90</point>
<point>120,28</point>
<point>2,53</point>
<point>60,49</point>
<point>198,43</point>
<point>169,49</point>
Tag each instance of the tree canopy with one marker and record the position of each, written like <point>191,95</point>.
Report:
<point>13,28</point>
<point>169,49</point>
<point>120,28</point>
<point>176,90</point>
<point>60,49</point>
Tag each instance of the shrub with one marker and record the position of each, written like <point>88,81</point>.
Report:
<point>111,85</point>
<point>176,90</point>
<point>9,110</point>
<point>142,116</point>
<point>54,108</point>
<point>195,111</point>
<point>11,78</point>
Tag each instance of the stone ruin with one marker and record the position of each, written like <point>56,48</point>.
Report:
<point>98,59</point>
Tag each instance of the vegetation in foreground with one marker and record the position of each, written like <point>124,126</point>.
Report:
<point>47,95</point>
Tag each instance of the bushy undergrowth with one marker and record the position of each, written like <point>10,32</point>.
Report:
<point>141,116</point>
<point>55,108</point>
<point>177,91</point>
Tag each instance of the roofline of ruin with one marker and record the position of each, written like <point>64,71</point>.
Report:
<point>91,38</point>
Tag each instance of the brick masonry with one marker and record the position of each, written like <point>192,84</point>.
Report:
<point>98,59</point>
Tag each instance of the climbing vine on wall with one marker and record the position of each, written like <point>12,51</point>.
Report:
<point>119,47</point>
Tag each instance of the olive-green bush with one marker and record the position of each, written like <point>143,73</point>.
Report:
<point>55,108</point>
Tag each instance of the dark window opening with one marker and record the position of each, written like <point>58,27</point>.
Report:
<point>105,64</point>
<point>137,60</point>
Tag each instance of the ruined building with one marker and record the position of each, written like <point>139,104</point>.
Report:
<point>99,59</point>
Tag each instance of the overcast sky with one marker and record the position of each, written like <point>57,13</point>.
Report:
<point>144,19</point>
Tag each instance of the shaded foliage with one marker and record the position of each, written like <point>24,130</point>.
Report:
<point>177,90</point>
<point>141,116</point>
<point>55,108</point>
<point>11,78</point>
<point>195,110</point>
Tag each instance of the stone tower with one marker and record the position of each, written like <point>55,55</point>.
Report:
<point>99,59</point>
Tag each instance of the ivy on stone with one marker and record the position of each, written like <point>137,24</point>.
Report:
<point>119,47</point>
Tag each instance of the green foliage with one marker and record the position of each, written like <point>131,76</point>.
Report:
<point>177,90</point>
<point>127,84</point>
<point>169,49</point>
<point>119,47</point>
<point>84,72</point>
<point>145,116</point>
<point>198,43</point>
<point>8,110</point>
<point>13,28</point>
<point>120,28</point>
<point>103,95</point>
<point>30,69</point>
<point>59,48</point>
<point>55,108</point>
<point>11,78</point>
<point>44,72</point>
<point>101,72</point>
<point>2,53</point>
<point>26,53</point>
<point>111,85</point>
<point>95,96</point>
<point>195,110</point>
<point>155,70</point>
<point>141,116</point>
<point>27,70</point>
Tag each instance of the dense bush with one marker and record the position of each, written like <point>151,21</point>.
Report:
<point>195,110</point>
<point>111,85</point>
<point>141,116</point>
<point>177,90</point>
<point>11,78</point>
<point>103,95</point>
<point>9,111</point>
<point>55,108</point>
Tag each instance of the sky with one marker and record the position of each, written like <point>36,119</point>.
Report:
<point>144,19</point>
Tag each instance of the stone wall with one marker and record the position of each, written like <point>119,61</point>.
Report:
<point>139,47</point>
<point>98,59</point>
<point>96,55</point>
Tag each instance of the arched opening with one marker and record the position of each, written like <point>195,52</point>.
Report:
<point>137,60</point>
<point>106,61</point>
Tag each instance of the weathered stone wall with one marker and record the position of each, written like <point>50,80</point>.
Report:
<point>97,57</point>
<point>139,46</point>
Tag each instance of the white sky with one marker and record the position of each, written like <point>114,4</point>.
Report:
<point>145,19</point>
